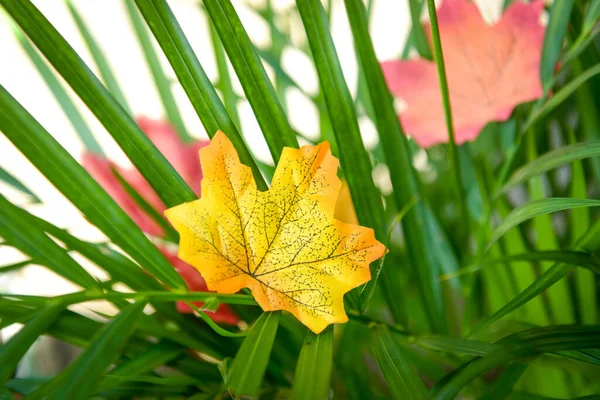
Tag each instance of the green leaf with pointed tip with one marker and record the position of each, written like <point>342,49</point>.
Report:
<point>77,185</point>
<point>9,179</point>
<point>535,208</point>
<point>250,363</point>
<point>192,77</point>
<point>99,58</point>
<point>82,376</point>
<point>562,156</point>
<point>167,183</point>
<point>12,351</point>
<point>251,73</point>
<point>17,229</point>
<point>15,266</point>
<point>402,379</point>
<point>313,371</point>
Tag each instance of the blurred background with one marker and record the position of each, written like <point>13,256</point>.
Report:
<point>110,25</point>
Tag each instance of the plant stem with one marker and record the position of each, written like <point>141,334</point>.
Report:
<point>89,295</point>
<point>452,147</point>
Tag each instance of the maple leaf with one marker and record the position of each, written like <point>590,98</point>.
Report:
<point>490,69</point>
<point>283,244</point>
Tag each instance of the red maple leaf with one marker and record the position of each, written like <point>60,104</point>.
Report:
<point>490,70</point>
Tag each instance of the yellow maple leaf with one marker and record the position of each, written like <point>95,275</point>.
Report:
<point>283,244</point>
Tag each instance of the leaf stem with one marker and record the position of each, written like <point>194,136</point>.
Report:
<point>452,147</point>
<point>89,295</point>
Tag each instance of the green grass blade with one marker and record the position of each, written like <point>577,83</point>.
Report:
<point>452,147</point>
<point>15,266</point>
<point>163,84</point>
<point>404,180</point>
<point>354,159</point>
<point>118,266</point>
<point>196,84</point>
<point>417,32</point>
<point>535,208</point>
<point>155,356</point>
<point>83,375</point>
<point>9,179</point>
<point>554,159</point>
<point>559,296</point>
<point>61,96</point>
<point>559,97</point>
<point>402,379</point>
<point>553,40</point>
<point>313,371</point>
<point>250,362</point>
<point>592,15</point>
<point>16,228</point>
<point>579,258</point>
<point>533,342</point>
<point>505,382</point>
<point>590,241</point>
<point>12,351</point>
<point>580,221</point>
<point>170,233</point>
<point>167,183</point>
<point>251,73</point>
<point>108,77</point>
<point>78,186</point>
<point>230,98</point>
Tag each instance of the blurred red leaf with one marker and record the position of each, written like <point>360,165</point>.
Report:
<point>490,69</point>
<point>184,158</point>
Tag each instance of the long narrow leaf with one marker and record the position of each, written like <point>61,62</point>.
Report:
<point>80,379</point>
<point>590,241</point>
<point>250,363</point>
<point>79,187</point>
<point>12,352</point>
<point>554,159</point>
<point>569,338</point>
<point>313,371</point>
<point>9,179</point>
<point>553,40</point>
<point>354,159</point>
<point>251,73</point>
<point>403,381</point>
<point>535,208</point>
<point>167,183</point>
<point>16,229</point>
<point>196,84</point>
<point>403,177</point>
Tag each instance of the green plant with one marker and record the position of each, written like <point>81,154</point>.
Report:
<point>480,294</point>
